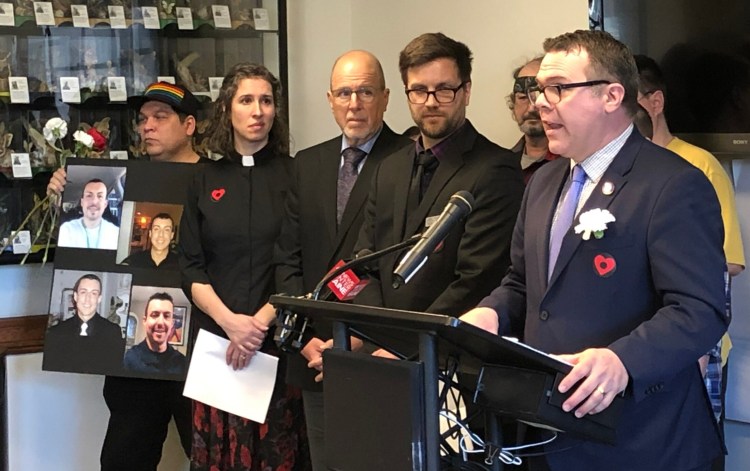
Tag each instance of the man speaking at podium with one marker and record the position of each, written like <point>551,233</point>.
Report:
<point>631,290</point>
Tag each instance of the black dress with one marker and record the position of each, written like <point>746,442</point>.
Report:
<point>229,226</point>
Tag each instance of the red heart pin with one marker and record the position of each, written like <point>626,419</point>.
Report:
<point>218,193</point>
<point>605,264</point>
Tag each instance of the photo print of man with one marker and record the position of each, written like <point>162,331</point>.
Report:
<point>148,235</point>
<point>88,312</point>
<point>156,331</point>
<point>92,207</point>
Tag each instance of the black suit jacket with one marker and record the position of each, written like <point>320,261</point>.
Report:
<point>474,255</point>
<point>100,352</point>
<point>658,302</point>
<point>310,241</point>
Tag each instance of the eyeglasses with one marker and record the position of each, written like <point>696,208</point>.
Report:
<point>344,95</point>
<point>552,93</point>
<point>442,95</point>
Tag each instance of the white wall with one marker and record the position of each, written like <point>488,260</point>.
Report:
<point>56,421</point>
<point>25,289</point>
<point>501,33</point>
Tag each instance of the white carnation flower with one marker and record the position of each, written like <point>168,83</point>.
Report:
<point>54,129</point>
<point>84,138</point>
<point>594,222</point>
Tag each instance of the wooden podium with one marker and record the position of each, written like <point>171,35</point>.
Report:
<point>384,414</point>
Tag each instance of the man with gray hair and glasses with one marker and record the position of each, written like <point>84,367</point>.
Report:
<point>325,206</point>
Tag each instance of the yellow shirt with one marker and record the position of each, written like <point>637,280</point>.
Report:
<point>707,163</point>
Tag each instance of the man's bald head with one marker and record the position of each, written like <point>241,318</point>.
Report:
<point>358,59</point>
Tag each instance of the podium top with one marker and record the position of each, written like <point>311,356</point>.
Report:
<point>399,330</point>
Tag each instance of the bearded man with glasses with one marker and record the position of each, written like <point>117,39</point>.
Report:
<point>412,187</point>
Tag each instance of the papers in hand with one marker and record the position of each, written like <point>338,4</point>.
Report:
<point>246,392</point>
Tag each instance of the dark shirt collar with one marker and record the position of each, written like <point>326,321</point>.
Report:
<point>438,150</point>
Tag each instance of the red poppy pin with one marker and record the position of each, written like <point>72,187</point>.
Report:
<point>217,194</point>
<point>605,265</point>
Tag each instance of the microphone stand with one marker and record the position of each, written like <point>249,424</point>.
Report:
<point>289,332</point>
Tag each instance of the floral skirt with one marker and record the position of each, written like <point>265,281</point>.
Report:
<point>226,442</point>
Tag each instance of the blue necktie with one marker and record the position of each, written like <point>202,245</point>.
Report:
<point>565,216</point>
<point>347,178</point>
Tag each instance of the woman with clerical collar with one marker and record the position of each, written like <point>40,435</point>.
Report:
<point>229,226</point>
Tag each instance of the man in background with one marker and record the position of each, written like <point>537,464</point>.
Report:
<point>160,254</point>
<point>531,149</point>
<point>324,209</point>
<point>154,354</point>
<point>652,97</point>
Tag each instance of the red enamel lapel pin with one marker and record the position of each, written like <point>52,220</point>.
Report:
<point>604,265</point>
<point>217,194</point>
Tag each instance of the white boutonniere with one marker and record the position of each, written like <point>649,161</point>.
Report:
<point>594,222</point>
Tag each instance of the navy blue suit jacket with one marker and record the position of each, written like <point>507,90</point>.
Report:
<point>659,310</point>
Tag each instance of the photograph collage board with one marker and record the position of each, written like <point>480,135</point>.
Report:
<point>117,306</point>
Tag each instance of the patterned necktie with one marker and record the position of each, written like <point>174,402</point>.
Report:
<point>347,178</point>
<point>565,216</point>
<point>426,165</point>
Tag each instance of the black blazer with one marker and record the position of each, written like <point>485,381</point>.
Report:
<point>100,352</point>
<point>475,254</point>
<point>310,241</point>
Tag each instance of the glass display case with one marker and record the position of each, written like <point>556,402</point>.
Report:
<point>80,60</point>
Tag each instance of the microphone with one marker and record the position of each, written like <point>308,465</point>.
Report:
<point>291,326</point>
<point>459,206</point>
<point>344,285</point>
<point>348,284</point>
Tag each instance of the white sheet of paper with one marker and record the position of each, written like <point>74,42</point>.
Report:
<point>214,86</point>
<point>70,89</point>
<point>150,17</point>
<point>117,89</point>
<point>222,19</point>
<point>80,15</point>
<point>117,16</point>
<point>6,14</point>
<point>166,78</point>
<point>22,242</point>
<point>21,165</point>
<point>44,14</point>
<point>184,18</point>
<point>260,19</point>
<point>246,392</point>
<point>19,90</point>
